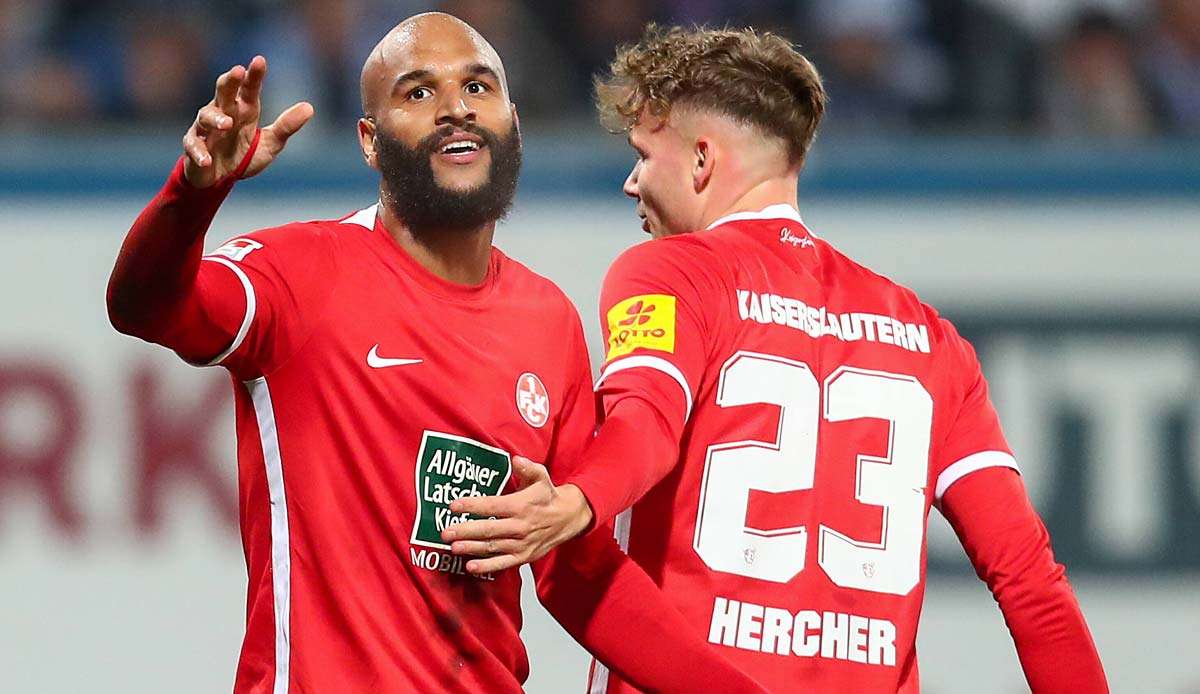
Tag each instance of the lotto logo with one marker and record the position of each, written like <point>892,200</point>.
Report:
<point>533,402</point>
<point>639,314</point>
<point>646,321</point>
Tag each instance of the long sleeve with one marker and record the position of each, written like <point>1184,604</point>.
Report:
<point>656,334</point>
<point>156,285</point>
<point>1010,549</point>
<point>247,305</point>
<point>596,592</point>
<point>610,606</point>
<point>636,445</point>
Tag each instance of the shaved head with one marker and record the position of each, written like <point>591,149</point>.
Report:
<point>439,127</point>
<point>417,43</point>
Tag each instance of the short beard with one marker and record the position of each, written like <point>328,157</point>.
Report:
<point>414,195</point>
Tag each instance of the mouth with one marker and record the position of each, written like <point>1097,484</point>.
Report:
<point>460,148</point>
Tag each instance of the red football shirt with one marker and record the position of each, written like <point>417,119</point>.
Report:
<point>826,410</point>
<point>369,394</point>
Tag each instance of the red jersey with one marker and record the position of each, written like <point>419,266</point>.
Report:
<point>369,394</point>
<point>826,410</point>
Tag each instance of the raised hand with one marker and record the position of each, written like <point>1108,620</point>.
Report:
<point>224,128</point>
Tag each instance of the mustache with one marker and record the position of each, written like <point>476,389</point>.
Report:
<point>412,189</point>
<point>430,143</point>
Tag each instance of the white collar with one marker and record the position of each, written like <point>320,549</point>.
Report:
<point>778,211</point>
<point>365,217</point>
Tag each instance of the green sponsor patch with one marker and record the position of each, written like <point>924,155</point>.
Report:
<point>449,467</point>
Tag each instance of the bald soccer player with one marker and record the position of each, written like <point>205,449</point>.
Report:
<point>385,364</point>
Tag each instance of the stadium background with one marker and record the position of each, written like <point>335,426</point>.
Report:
<point>1032,167</point>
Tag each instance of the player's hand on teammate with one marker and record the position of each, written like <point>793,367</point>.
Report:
<point>223,131</point>
<point>522,526</point>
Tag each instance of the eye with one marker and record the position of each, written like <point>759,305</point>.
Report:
<point>420,93</point>
<point>476,88</point>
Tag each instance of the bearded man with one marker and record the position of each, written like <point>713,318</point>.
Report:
<point>384,365</point>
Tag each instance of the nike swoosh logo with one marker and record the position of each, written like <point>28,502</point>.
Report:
<point>377,362</point>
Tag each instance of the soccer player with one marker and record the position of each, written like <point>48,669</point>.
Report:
<point>385,364</point>
<point>780,418</point>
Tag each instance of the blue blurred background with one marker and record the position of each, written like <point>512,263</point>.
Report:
<point>1031,167</point>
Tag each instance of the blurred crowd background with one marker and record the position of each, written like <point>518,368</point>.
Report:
<point>1111,69</point>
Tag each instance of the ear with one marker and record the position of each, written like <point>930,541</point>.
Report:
<point>704,161</point>
<point>515,116</point>
<point>366,141</point>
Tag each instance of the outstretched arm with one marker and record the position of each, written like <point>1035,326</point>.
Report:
<point>1010,549</point>
<point>647,387</point>
<point>156,283</point>
<point>611,607</point>
<point>636,446</point>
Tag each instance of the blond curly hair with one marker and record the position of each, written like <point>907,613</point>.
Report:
<point>757,78</point>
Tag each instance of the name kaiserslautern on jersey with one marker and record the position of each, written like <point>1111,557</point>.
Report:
<point>827,409</point>
<point>369,395</point>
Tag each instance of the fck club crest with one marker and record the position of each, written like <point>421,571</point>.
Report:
<point>533,402</point>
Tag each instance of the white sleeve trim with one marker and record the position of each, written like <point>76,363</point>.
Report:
<point>656,363</point>
<point>246,321</point>
<point>972,463</point>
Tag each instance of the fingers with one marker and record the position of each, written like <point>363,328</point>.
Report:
<point>287,124</point>
<point>505,506</point>
<point>196,149</point>
<point>252,87</point>
<point>227,89</point>
<point>529,472</point>
<point>210,119</point>
<point>503,528</point>
<point>487,548</point>
<point>491,565</point>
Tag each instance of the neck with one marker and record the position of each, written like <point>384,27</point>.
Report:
<point>773,191</point>
<point>455,255</point>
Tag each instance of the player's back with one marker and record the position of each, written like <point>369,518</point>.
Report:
<point>827,404</point>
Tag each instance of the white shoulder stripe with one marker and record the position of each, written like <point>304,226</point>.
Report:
<point>972,463</point>
<point>657,363</point>
<point>250,306</point>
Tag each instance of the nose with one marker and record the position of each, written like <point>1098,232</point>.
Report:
<point>453,108</point>
<point>631,181</point>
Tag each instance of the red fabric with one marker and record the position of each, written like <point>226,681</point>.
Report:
<point>1010,549</point>
<point>335,441</point>
<point>826,404</point>
<point>612,607</point>
<point>156,284</point>
<point>637,444</point>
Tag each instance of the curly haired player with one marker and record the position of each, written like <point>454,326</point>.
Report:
<point>780,418</point>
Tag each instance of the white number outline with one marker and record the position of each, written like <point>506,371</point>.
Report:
<point>800,531</point>
<point>910,566</point>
